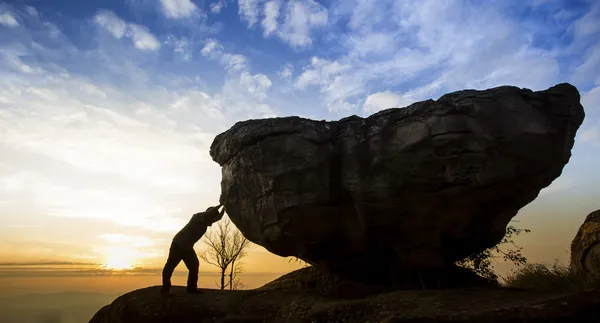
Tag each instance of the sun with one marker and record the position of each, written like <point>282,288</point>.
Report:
<point>118,262</point>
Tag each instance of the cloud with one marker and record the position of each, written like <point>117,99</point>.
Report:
<point>269,23</point>
<point>286,72</point>
<point>588,24</point>
<point>13,61</point>
<point>240,78</point>
<point>591,99</point>
<point>293,23</point>
<point>181,46</point>
<point>109,21</point>
<point>122,143</point>
<point>234,62</point>
<point>218,6</point>
<point>426,48</point>
<point>321,72</point>
<point>300,18</point>
<point>7,19</point>
<point>587,72</point>
<point>592,134</point>
<point>257,84</point>
<point>384,100</point>
<point>212,48</point>
<point>31,11</point>
<point>142,38</point>
<point>142,157</point>
<point>140,164</point>
<point>125,240</point>
<point>178,9</point>
<point>249,10</point>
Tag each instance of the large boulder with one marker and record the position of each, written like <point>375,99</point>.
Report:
<point>406,188</point>
<point>585,248</point>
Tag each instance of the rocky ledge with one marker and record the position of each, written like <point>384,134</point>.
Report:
<point>296,298</point>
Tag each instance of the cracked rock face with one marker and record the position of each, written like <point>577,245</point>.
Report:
<point>406,188</point>
<point>585,248</point>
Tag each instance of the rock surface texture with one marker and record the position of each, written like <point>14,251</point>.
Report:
<point>291,299</point>
<point>404,189</point>
<point>585,248</point>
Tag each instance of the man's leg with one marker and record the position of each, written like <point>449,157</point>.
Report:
<point>175,256</point>
<point>191,262</point>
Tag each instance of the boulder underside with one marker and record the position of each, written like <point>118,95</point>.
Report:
<point>404,189</point>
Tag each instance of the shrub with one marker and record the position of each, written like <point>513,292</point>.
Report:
<point>542,277</point>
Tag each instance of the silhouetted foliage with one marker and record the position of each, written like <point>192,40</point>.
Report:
<point>550,278</point>
<point>481,263</point>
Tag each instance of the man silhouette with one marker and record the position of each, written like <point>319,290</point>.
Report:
<point>182,248</point>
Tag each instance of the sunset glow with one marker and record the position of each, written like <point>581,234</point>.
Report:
<point>108,110</point>
<point>118,263</point>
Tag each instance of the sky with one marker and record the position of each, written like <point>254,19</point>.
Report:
<point>108,108</point>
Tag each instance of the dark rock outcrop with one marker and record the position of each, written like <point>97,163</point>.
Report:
<point>585,248</point>
<point>290,299</point>
<point>412,188</point>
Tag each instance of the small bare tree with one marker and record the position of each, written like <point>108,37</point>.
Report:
<point>225,247</point>
<point>237,252</point>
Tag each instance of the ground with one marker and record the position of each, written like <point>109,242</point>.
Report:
<point>290,299</point>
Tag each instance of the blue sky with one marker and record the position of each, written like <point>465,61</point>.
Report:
<point>107,108</point>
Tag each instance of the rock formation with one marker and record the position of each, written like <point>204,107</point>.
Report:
<point>404,189</point>
<point>585,248</point>
<point>290,299</point>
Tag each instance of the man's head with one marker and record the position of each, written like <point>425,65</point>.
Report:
<point>213,214</point>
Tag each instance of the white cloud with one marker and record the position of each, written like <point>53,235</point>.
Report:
<point>588,71</point>
<point>234,62</point>
<point>14,61</point>
<point>321,72</point>
<point>211,48</point>
<point>591,99</point>
<point>31,11</point>
<point>286,72</point>
<point>181,46</point>
<point>142,38</point>
<point>256,84</point>
<point>300,18</point>
<point>588,24</point>
<point>7,19</point>
<point>249,10</point>
<point>293,23</point>
<point>109,21</point>
<point>384,100</point>
<point>395,44</point>
<point>127,240</point>
<point>239,80</point>
<point>128,156</point>
<point>592,134</point>
<point>218,6</point>
<point>269,22</point>
<point>372,43</point>
<point>178,8</point>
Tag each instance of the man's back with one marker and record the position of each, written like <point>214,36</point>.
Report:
<point>192,232</point>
